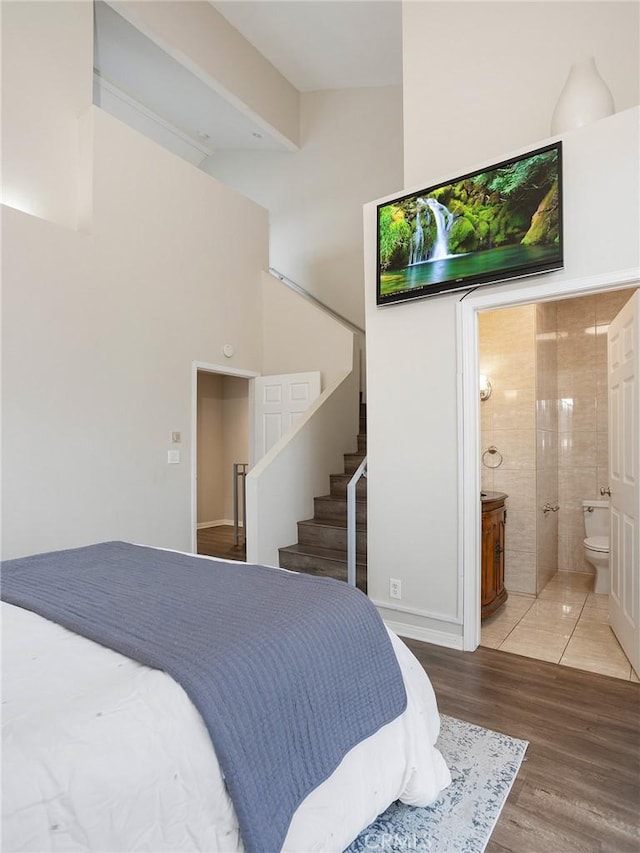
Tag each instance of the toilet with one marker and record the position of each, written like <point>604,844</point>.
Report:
<point>596,542</point>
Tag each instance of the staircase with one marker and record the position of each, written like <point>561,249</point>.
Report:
<point>321,548</point>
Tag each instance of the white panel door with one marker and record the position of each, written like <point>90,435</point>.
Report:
<point>279,402</point>
<point>623,344</point>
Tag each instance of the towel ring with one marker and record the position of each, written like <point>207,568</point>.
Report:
<point>493,451</point>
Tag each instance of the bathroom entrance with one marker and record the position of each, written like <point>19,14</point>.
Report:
<point>547,419</point>
<point>546,424</point>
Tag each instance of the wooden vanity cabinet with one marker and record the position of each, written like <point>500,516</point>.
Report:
<point>494,516</point>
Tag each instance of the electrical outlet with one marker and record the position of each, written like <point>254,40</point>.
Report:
<point>395,588</point>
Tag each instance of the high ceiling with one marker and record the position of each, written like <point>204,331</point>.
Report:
<point>315,44</point>
<point>324,44</point>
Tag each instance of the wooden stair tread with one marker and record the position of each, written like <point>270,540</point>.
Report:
<point>317,551</point>
<point>332,522</point>
<point>341,498</point>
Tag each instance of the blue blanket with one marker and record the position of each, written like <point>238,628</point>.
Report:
<point>288,671</point>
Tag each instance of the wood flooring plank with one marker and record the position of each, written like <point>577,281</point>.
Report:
<point>581,776</point>
<point>613,846</point>
<point>583,811</point>
<point>521,831</point>
<point>219,542</point>
<point>578,788</point>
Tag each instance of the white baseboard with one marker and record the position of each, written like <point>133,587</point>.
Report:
<point>425,635</point>
<point>221,522</point>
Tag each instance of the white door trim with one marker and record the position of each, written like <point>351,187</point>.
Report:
<point>208,368</point>
<point>536,289</point>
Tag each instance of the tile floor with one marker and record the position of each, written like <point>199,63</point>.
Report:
<point>566,624</point>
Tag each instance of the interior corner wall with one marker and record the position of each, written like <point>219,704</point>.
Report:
<point>99,334</point>
<point>480,116</point>
<point>350,152</point>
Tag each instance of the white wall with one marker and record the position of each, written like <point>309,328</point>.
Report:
<point>299,337</point>
<point>46,85</point>
<point>351,151</point>
<point>492,73</point>
<point>413,420</point>
<point>99,334</point>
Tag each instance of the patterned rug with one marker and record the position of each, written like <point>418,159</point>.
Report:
<point>483,767</point>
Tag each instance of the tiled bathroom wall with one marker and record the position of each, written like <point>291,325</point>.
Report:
<point>508,422</point>
<point>582,414</point>
<point>546,443</point>
<point>547,416</point>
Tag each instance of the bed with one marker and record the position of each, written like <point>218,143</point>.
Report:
<point>102,752</point>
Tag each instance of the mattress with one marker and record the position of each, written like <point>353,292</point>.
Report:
<point>103,753</point>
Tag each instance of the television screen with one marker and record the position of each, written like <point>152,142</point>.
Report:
<point>502,222</point>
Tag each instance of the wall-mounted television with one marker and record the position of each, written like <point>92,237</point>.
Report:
<point>501,222</point>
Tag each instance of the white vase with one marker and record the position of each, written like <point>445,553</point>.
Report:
<point>584,98</point>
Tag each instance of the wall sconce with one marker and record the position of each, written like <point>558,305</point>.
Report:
<point>485,387</point>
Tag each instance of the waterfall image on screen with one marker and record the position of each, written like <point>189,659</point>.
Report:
<point>487,226</point>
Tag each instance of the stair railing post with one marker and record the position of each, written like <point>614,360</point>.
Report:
<point>239,470</point>
<point>351,521</point>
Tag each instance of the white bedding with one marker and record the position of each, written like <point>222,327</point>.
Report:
<point>101,753</point>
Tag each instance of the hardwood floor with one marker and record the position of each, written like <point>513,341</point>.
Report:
<point>218,542</point>
<point>578,789</point>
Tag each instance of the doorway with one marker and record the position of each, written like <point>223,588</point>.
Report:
<point>468,310</point>
<point>222,442</point>
<point>546,420</point>
<point>238,416</point>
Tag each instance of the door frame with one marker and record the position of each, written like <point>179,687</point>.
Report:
<point>226,370</point>
<point>536,289</point>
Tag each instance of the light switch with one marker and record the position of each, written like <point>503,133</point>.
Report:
<point>173,457</point>
<point>176,438</point>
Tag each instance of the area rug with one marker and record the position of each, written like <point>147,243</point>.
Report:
<point>483,765</point>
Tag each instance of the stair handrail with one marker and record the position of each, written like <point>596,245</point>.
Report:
<point>293,285</point>
<point>351,521</point>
